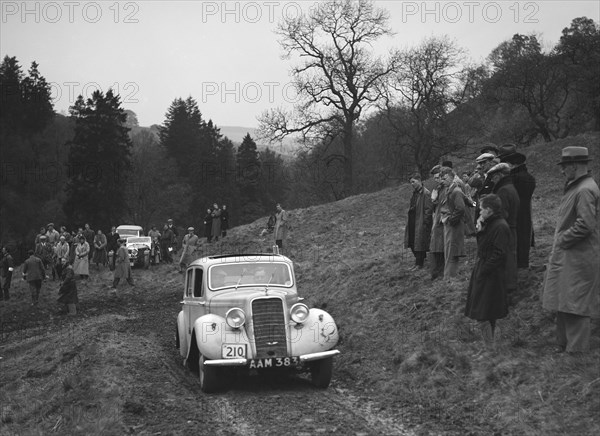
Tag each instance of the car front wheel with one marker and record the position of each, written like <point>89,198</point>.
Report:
<point>321,371</point>
<point>209,380</point>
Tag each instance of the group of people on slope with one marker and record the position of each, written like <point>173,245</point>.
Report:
<point>501,200</point>
<point>216,223</point>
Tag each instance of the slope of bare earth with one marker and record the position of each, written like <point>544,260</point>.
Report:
<point>410,361</point>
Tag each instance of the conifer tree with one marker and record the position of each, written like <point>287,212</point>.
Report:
<point>99,160</point>
<point>248,179</point>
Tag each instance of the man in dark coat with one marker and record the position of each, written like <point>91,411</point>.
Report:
<point>112,244</point>
<point>208,218</point>
<point>34,273</point>
<point>167,242</point>
<point>6,269</point>
<point>45,252</point>
<point>504,188</point>
<point>173,228</point>
<point>67,293</point>
<point>418,225</point>
<point>524,183</point>
<point>486,295</point>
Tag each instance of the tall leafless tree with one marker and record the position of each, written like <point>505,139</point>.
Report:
<point>431,82</point>
<point>338,78</point>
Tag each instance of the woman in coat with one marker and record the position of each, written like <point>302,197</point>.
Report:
<point>81,265</point>
<point>487,298</point>
<point>100,256</point>
<point>67,293</point>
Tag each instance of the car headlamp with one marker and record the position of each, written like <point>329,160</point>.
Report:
<point>299,312</point>
<point>235,317</point>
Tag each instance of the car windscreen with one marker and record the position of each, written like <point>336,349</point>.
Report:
<point>249,274</point>
<point>125,233</point>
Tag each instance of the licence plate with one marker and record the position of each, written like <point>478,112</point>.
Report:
<point>233,351</point>
<point>274,362</point>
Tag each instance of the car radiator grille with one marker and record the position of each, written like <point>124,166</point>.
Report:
<point>269,327</point>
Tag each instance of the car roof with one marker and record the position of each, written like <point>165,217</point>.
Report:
<point>240,257</point>
<point>130,227</point>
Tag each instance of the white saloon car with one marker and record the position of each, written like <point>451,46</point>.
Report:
<point>244,311</point>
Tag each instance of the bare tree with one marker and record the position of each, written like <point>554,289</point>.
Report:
<point>338,78</point>
<point>423,99</point>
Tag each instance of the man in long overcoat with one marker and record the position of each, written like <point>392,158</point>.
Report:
<point>572,285</point>
<point>504,188</point>
<point>486,296</point>
<point>418,225</point>
<point>188,245</point>
<point>524,183</point>
<point>436,245</point>
<point>453,215</point>
<point>281,226</point>
<point>34,273</point>
<point>122,265</point>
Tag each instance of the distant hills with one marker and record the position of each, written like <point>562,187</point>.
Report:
<point>236,134</point>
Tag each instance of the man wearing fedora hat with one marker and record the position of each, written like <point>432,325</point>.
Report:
<point>572,284</point>
<point>524,183</point>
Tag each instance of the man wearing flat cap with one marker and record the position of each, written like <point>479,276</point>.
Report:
<point>572,284</point>
<point>525,185</point>
<point>503,187</point>
<point>490,149</point>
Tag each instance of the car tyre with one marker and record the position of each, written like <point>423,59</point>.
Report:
<point>177,344</point>
<point>209,380</point>
<point>321,372</point>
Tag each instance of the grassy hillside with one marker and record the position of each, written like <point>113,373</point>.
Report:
<point>404,339</point>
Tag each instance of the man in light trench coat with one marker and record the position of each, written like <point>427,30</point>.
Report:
<point>572,285</point>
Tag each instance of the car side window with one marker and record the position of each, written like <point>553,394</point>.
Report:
<point>189,283</point>
<point>198,288</point>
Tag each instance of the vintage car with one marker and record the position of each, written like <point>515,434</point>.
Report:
<point>139,250</point>
<point>243,311</point>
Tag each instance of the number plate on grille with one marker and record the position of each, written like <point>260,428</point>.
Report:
<point>274,362</point>
<point>233,351</point>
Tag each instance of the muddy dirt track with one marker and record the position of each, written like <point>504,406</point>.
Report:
<point>114,369</point>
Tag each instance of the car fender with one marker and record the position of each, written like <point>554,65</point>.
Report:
<point>183,336</point>
<point>318,333</point>
<point>211,332</point>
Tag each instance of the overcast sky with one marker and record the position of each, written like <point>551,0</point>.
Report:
<point>225,54</point>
